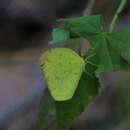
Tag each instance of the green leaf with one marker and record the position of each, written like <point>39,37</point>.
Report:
<point>60,35</point>
<point>122,40</point>
<point>47,105</point>
<point>87,90</point>
<point>84,26</point>
<point>112,49</point>
<point>108,50</point>
<point>62,69</point>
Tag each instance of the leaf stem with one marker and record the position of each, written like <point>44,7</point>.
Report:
<point>115,17</point>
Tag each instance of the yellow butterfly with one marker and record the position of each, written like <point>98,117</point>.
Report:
<point>62,68</point>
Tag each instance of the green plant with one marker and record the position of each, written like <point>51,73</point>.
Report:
<point>75,83</point>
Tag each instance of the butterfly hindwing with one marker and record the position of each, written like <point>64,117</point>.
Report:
<point>62,69</point>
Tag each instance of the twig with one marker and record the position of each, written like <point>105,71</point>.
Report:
<point>115,17</point>
<point>89,7</point>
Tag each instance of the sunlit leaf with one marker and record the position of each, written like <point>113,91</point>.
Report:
<point>59,35</point>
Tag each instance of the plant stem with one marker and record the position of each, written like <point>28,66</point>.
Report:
<point>89,7</point>
<point>119,10</point>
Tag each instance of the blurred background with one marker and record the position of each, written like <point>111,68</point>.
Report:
<point>25,30</point>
